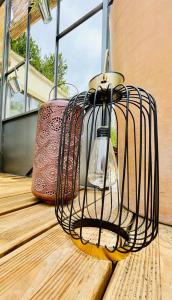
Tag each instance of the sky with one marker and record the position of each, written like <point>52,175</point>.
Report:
<point>81,48</point>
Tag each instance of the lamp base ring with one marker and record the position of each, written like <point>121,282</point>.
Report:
<point>108,232</point>
<point>100,252</point>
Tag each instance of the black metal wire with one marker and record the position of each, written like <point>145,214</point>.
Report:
<point>136,215</point>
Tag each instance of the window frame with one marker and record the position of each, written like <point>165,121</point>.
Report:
<point>104,6</point>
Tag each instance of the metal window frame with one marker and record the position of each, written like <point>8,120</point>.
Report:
<point>26,103</point>
<point>3,92</point>
<point>104,6</point>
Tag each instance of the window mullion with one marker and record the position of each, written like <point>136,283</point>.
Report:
<point>27,59</point>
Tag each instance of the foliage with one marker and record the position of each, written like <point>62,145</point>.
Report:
<point>113,137</point>
<point>44,65</point>
<point>48,68</point>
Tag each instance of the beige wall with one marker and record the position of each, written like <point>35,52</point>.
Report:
<point>141,33</point>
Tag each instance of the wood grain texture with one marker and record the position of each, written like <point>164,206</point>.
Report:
<point>51,267</point>
<point>13,203</point>
<point>46,264</point>
<point>137,277</point>
<point>165,247</point>
<point>20,226</point>
<point>11,185</point>
<point>3,175</point>
<point>146,274</point>
<point>27,220</point>
<point>12,177</point>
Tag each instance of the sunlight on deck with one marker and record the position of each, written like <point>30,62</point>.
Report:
<point>39,261</point>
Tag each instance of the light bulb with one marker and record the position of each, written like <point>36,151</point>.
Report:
<point>97,163</point>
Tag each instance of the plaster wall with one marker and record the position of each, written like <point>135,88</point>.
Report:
<point>141,47</point>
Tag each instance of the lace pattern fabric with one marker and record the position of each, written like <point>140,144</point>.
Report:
<point>45,166</point>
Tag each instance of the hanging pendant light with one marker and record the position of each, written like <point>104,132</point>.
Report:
<point>121,214</point>
<point>45,11</point>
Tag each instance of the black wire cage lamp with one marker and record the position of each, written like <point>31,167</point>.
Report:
<point>116,210</point>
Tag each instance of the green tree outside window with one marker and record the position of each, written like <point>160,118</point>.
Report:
<point>44,65</point>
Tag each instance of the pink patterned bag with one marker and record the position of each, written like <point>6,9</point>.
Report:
<point>45,165</point>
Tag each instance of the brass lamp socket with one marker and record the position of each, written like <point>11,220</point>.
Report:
<point>106,79</point>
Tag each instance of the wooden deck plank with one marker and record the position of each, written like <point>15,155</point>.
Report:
<point>12,189</point>
<point>146,274</point>
<point>20,226</point>
<point>13,203</point>
<point>165,246</point>
<point>11,185</point>
<point>48,266</point>
<point>51,267</point>
<point>10,178</point>
<point>7,175</point>
<point>137,277</point>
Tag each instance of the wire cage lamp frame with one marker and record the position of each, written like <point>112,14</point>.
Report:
<point>120,217</point>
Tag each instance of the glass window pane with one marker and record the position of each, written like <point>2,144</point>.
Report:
<point>73,10</point>
<point>15,103</point>
<point>41,69</point>
<point>43,38</point>
<point>82,52</point>
<point>45,35</point>
<point>34,103</point>
<point>15,95</point>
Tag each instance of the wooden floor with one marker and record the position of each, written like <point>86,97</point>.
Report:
<point>39,261</point>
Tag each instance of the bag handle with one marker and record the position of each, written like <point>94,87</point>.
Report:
<point>60,85</point>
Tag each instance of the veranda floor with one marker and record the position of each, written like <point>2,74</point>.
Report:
<point>39,261</point>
